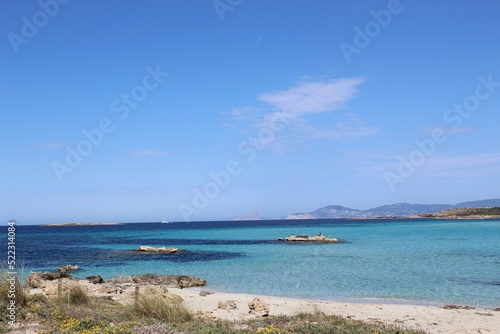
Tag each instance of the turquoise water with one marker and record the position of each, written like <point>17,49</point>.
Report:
<point>421,261</point>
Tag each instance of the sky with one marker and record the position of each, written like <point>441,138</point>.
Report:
<point>184,110</point>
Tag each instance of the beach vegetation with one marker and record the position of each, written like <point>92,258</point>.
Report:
<point>78,312</point>
<point>150,314</point>
<point>160,308</point>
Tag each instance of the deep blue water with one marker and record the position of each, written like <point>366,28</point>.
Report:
<point>438,261</point>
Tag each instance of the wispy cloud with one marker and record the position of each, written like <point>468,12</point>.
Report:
<point>313,97</point>
<point>148,153</point>
<point>436,166</point>
<point>446,131</point>
<point>295,105</point>
<point>465,166</point>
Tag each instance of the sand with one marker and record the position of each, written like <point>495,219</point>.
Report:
<point>432,319</point>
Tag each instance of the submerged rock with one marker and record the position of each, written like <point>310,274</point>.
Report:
<point>305,238</point>
<point>171,281</point>
<point>157,249</point>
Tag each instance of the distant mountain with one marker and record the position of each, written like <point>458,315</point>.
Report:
<point>254,215</point>
<point>393,210</point>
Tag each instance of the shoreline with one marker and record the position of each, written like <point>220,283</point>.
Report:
<point>80,224</point>
<point>375,300</point>
<point>433,319</point>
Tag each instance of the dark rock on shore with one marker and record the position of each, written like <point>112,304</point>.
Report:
<point>95,279</point>
<point>456,307</point>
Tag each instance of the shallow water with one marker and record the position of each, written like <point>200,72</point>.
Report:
<point>445,261</point>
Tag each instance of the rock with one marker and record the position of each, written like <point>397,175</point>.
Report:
<point>121,280</point>
<point>95,279</point>
<point>38,280</point>
<point>65,268</point>
<point>171,281</point>
<point>497,309</point>
<point>157,249</point>
<point>258,307</point>
<point>320,238</point>
<point>35,280</point>
<point>108,289</point>
<point>206,293</point>
<point>228,305</point>
<point>56,287</point>
<point>455,307</point>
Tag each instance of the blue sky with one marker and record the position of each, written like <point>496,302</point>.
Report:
<point>201,110</point>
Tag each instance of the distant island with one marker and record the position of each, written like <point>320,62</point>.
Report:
<point>81,224</point>
<point>398,210</point>
<point>464,213</point>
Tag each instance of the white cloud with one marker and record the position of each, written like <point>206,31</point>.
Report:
<point>148,153</point>
<point>293,108</point>
<point>313,97</point>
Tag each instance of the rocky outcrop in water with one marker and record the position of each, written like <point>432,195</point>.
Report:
<point>320,238</point>
<point>65,268</point>
<point>157,249</point>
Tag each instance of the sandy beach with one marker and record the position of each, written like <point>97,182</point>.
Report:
<point>432,319</point>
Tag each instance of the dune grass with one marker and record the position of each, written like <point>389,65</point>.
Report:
<point>160,308</point>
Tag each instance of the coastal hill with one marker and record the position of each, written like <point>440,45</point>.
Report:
<point>465,213</point>
<point>393,210</point>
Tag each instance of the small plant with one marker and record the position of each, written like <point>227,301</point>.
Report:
<point>160,308</point>
<point>78,295</point>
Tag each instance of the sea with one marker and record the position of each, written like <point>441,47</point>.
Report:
<point>413,261</point>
